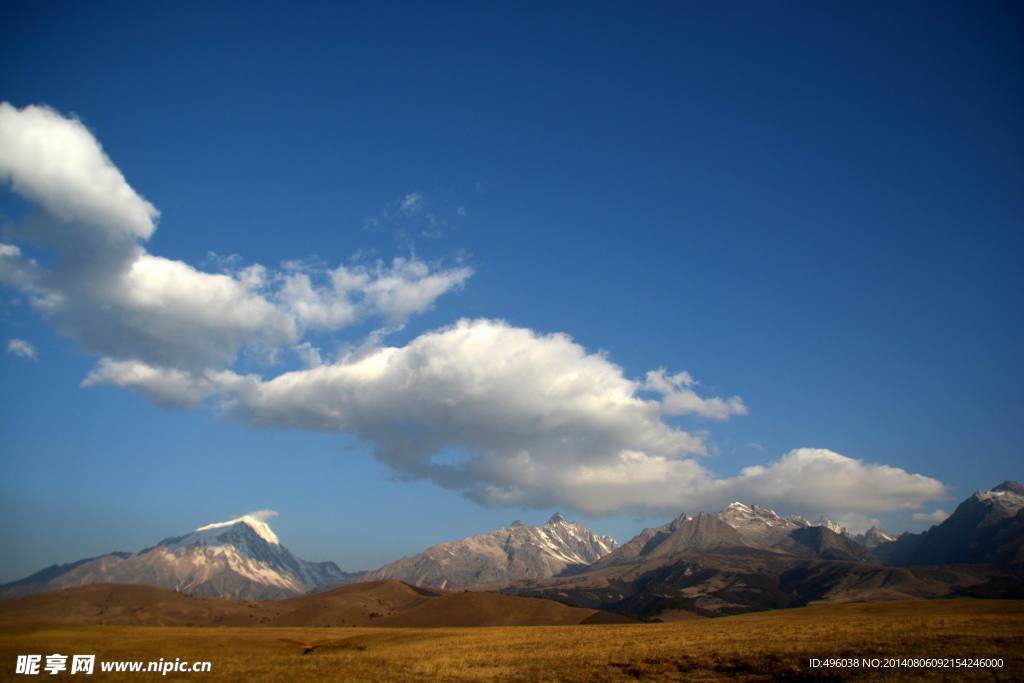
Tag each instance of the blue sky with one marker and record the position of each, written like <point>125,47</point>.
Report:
<point>816,209</point>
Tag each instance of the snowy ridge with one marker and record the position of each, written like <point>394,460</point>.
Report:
<point>1010,501</point>
<point>766,527</point>
<point>501,556</point>
<point>261,528</point>
<point>248,547</point>
<point>802,521</point>
<point>240,558</point>
<point>754,519</point>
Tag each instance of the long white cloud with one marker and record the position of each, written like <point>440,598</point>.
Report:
<point>502,414</point>
<point>536,421</point>
<point>107,292</point>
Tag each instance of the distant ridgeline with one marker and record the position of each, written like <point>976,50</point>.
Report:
<point>742,559</point>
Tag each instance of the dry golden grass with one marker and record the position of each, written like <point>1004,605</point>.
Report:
<point>765,646</point>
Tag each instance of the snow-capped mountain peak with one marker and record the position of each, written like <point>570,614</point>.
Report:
<point>518,551</point>
<point>835,527</point>
<point>239,558</point>
<point>751,513</point>
<point>872,538</point>
<point>261,528</point>
<point>829,524</point>
<point>1008,496</point>
<point>755,521</point>
<point>875,532</point>
<point>764,526</point>
<point>556,518</point>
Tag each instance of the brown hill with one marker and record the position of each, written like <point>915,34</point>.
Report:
<point>378,603</point>
<point>126,605</point>
<point>359,604</point>
<point>478,608</point>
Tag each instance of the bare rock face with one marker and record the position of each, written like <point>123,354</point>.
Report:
<point>828,545</point>
<point>241,558</point>
<point>500,557</point>
<point>988,527</point>
<point>759,524</point>
<point>749,558</point>
<point>873,538</point>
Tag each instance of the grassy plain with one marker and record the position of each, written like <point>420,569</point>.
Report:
<point>764,646</point>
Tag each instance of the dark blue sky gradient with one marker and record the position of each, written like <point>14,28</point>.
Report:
<point>815,206</point>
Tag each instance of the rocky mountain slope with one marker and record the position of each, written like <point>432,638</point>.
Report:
<point>872,538</point>
<point>749,558</point>
<point>988,527</point>
<point>241,558</point>
<point>500,557</point>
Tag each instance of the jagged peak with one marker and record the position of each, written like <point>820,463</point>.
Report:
<point>752,518</point>
<point>1010,486</point>
<point>557,518</point>
<point>1008,497</point>
<point>831,525</point>
<point>679,521</point>
<point>258,526</point>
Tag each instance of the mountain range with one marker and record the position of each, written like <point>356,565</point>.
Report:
<point>244,559</point>
<point>513,553</point>
<point>744,558</point>
<point>749,558</point>
<point>987,527</point>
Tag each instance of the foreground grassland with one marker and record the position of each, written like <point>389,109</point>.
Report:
<point>765,646</point>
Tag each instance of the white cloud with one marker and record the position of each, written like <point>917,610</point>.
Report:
<point>482,385</point>
<point>56,162</point>
<point>308,354</point>
<point>542,421</point>
<point>679,397</point>
<point>20,272</point>
<point>20,347</point>
<point>823,480</point>
<point>411,203</point>
<point>407,287</point>
<point>262,515</point>
<point>809,481</point>
<point>393,292</point>
<point>168,312</point>
<point>168,387</point>
<point>117,300</point>
<point>935,517</point>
